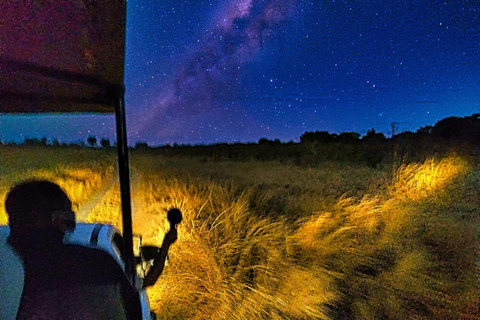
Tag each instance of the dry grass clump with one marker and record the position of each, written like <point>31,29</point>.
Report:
<point>191,286</point>
<point>108,210</point>
<point>408,255</point>
<point>228,263</point>
<point>81,183</point>
<point>418,180</point>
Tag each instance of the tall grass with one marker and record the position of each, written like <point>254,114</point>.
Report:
<point>409,255</point>
<point>80,172</point>
<point>108,210</point>
<point>228,263</point>
<point>407,252</point>
<point>276,241</point>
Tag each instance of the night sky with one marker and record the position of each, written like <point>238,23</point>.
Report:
<point>240,70</point>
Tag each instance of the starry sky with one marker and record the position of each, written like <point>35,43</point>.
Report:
<point>239,70</point>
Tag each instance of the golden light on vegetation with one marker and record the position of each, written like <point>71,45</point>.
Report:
<point>80,183</point>
<point>418,180</point>
<point>332,242</point>
<point>107,209</point>
<point>231,264</point>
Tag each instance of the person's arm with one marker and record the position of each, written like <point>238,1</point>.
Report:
<point>159,262</point>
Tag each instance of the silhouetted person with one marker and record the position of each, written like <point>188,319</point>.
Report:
<point>62,281</point>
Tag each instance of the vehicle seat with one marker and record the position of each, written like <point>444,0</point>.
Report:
<point>11,278</point>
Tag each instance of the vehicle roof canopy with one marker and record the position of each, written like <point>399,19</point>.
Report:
<point>67,56</point>
<point>61,55</point>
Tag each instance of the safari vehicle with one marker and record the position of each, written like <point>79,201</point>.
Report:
<point>68,57</point>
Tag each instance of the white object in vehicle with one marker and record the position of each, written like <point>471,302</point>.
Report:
<point>11,278</point>
<point>101,236</point>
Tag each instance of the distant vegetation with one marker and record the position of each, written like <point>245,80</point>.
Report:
<point>460,135</point>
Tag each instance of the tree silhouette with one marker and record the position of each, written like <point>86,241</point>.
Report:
<point>465,129</point>
<point>318,136</point>
<point>349,137</point>
<point>35,141</point>
<point>105,143</point>
<point>141,145</point>
<point>425,131</point>
<point>372,136</point>
<point>92,141</point>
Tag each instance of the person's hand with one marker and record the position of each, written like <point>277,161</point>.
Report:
<point>170,237</point>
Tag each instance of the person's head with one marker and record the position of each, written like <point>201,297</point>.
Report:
<point>38,204</point>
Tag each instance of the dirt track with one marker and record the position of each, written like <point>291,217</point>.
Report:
<point>84,211</point>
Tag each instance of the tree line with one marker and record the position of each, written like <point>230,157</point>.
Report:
<point>457,134</point>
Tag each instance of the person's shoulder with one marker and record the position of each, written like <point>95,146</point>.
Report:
<point>90,253</point>
<point>93,258</point>
<point>94,262</point>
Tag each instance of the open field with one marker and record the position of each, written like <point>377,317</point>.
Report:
<point>78,171</point>
<point>270,240</point>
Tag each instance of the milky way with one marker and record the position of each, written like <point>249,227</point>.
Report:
<point>201,99</point>
<point>239,70</point>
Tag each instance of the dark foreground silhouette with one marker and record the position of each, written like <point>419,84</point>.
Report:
<point>62,281</point>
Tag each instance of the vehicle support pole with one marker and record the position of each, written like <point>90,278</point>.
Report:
<point>124,174</point>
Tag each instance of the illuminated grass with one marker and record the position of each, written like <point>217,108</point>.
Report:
<point>407,252</point>
<point>108,211</point>
<point>80,172</point>
<point>228,263</point>
<point>274,241</point>
<point>407,255</point>
<point>416,181</point>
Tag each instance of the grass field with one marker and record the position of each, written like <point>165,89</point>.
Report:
<point>78,171</point>
<point>269,240</point>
